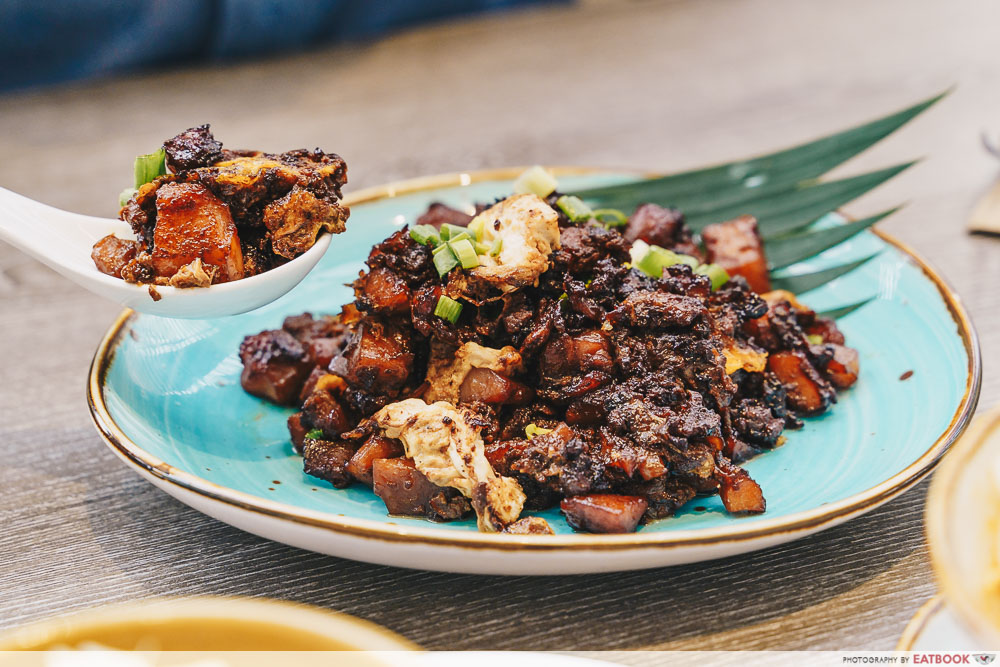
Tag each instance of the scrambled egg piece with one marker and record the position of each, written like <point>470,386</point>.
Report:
<point>192,275</point>
<point>296,220</point>
<point>244,172</point>
<point>445,374</point>
<point>747,358</point>
<point>528,230</point>
<point>450,453</point>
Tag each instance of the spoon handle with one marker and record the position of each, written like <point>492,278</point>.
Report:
<point>55,237</point>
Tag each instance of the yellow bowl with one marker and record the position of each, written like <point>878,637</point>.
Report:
<point>963,527</point>
<point>206,624</point>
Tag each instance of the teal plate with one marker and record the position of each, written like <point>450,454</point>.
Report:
<point>165,394</point>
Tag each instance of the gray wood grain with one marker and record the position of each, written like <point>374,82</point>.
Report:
<point>658,85</point>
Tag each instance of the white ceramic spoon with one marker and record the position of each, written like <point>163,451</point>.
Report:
<point>63,240</point>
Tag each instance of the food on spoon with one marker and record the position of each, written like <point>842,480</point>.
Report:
<point>192,225</point>
<point>111,254</point>
<point>203,214</point>
<point>541,354</point>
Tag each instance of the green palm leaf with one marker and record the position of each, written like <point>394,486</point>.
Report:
<point>803,282</point>
<point>796,247</point>
<point>837,313</point>
<point>790,207</point>
<point>792,165</point>
<point>781,190</point>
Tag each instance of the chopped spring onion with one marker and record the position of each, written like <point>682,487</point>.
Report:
<point>463,235</point>
<point>425,235</point>
<point>531,430</point>
<point>477,227</point>
<point>651,264</point>
<point>574,208</point>
<point>815,339</point>
<point>638,251</point>
<point>465,252</point>
<point>482,248</point>
<point>448,231</point>
<point>685,259</point>
<point>657,259</point>
<point>448,309</point>
<point>126,194</point>
<point>148,167</point>
<point>497,246</point>
<point>536,180</point>
<point>315,434</point>
<point>611,217</point>
<point>444,259</point>
<point>715,273</point>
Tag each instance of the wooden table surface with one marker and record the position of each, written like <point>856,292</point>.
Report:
<point>658,85</point>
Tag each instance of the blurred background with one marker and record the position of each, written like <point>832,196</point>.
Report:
<point>409,88</point>
<point>404,89</point>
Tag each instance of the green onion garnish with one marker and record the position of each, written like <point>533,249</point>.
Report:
<point>574,208</point>
<point>465,253</point>
<point>482,248</point>
<point>815,339</point>
<point>462,235</point>
<point>716,274</point>
<point>148,167</point>
<point>449,230</point>
<point>656,259</point>
<point>536,180</point>
<point>476,228</point>
<point>686,259</point>
<point>531,430</point>
<point>448,309</point>
<point>425,235</point>
<point>315,434</point>
<point>611,217</point>
<point>125,195</point>
<point>444,259</point>
<point>651,264</point>
<point>497,246</point>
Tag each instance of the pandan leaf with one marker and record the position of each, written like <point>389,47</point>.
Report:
<point>789,166</point>
<point>804,282</point>
<point>780,211</point>
<point>796,247</point>
<point>781,191</point>
<point>837,313</point>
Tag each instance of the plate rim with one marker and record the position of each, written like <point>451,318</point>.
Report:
<point>918,623</point>
<point>804,522</point>
<point>331,624</point>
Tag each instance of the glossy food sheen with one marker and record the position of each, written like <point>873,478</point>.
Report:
<point>173,387</point>
<point>192,223</point>
<point>220,215</point>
